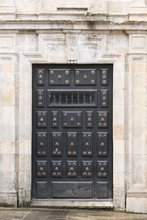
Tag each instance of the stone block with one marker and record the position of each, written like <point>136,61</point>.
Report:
<point>7,97</point>
<point>7,43</point>
<point>137,205</point>
<point>119,203</point>
<point>119,132</point>
<point>25,81</point>
<point>25,66</point>
<point>24,97</point>
<point>115,7</point>
<point>120,192</point>
<point>26,6</point>
<point>138,122</point>
<point>7,125</point>
<point>25,180</point>
<point>7,147</point>
<point>25,123</point>
<point>53,47</point>
<point>93,7</point>
<point>119,147</point>
<point>26,42</point>
<point>25,163</point>
<point>139,97</point>
<point>138,43</point>
<point>49,6</point>
<point>119,97</point>
<point>120,161</point>
<point>119,82</point>
<point>8,182</point>
<point>139,140</point>
<point>138,7</point>
<point>139,67</point>
<point>119,184</point>
<point>25,147</point>
<point>7,163</point>
<point>139,79</point>
<point>118,115</point>
<point>117,43</point>
<point>90,52</point>
<point>8,199</point>
<point>7,80</point>
<point>24,195</point>
<point>137,171</point>
<point>7,66</point>
<point>6,2</point>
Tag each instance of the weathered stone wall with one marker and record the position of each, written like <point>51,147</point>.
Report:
<point>80,31</point>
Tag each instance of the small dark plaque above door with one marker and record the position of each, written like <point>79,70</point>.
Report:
<point>59,77</point>
<point>85,77</point>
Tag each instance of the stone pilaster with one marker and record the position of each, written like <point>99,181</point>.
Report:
<point>137,123</point>
<point>8,183</point>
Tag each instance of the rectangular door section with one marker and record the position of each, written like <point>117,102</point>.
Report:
<point>72,132</point>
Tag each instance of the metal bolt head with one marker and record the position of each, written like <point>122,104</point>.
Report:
<point>40,71</point>
<point>92,81</point>
<point>51,81</point>
<point>54,119</point>
<point>102,144</point>
<point>41,119</point>
<point>66,81</point>
<point>92,72</point>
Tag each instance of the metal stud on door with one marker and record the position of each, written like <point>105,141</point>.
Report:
<point>72,132</point>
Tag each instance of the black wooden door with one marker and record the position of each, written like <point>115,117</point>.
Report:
<point>72,131</point>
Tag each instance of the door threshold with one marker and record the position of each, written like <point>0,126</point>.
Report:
<point>70,203</point>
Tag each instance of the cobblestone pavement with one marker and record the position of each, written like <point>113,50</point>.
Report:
<point>66,214</point>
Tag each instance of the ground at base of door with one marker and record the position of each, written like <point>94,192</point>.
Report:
<point>66,214</point>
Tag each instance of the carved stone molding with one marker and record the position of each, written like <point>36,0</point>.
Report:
<point>72,46</point>
<point>7,10</point>
<point>138,7</point>
<point>93,7</point>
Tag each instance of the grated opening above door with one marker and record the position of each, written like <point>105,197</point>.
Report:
<point>72,98</point>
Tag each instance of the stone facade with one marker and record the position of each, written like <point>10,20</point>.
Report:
<point>79,31</point>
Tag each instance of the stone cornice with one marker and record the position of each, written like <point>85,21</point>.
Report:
<point>77,17</point>
<point>76,22</point>
<point>73,26</point>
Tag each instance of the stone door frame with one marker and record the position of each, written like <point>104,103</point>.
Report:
<point>24,142</point>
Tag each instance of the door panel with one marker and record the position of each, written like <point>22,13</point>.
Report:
<point>72,132</point>
<point>72,190</point>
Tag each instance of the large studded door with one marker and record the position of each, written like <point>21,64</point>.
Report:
<point>72,132</point>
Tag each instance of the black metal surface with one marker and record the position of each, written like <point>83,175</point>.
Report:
<point>72,131</point>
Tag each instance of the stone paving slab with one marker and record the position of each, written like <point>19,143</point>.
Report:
<point>66,214</point>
